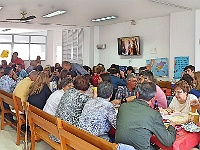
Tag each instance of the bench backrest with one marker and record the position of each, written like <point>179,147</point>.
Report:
<point>42,119</point>
<point>7,97</point>
<point>71,136</point>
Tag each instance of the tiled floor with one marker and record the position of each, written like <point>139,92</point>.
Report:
<point>8,140</point>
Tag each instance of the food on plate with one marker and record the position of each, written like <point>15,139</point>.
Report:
<point>179,119</point>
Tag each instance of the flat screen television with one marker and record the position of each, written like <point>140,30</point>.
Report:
<point>129,46</point>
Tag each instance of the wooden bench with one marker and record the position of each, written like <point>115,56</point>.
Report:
<point>42,125</point>
<point>14,102</point>
<point>73,138</point>
<point>20,118</point>
<point>6,98</point>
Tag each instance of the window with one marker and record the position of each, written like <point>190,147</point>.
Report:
<point>27,46</point>
<point>23,51</point>
<point>73,45</point>
<point>37,49</point>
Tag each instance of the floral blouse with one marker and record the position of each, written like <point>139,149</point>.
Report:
<point>97,117</point>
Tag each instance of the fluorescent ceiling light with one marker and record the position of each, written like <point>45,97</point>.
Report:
<point>104,18</point>
<point>1,7</point>
<point>55,13</point>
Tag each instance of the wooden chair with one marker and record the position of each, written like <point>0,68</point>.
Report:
<point>73,138</point>
<point>6,98</point>
<point>42,125</point>
<point>20,118</point>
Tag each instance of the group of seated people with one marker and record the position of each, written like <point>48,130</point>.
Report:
<point>86,98</point>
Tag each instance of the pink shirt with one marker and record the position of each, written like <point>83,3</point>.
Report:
<point>160,97</point>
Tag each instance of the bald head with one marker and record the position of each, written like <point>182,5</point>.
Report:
<point>33,75</point>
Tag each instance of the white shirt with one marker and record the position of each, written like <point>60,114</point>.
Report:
<point>53,101</point>
<point>184,108</point>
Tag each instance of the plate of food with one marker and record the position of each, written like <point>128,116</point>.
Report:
<point>191,127</point>
<point>179,119</point>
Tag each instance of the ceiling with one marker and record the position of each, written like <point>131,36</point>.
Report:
<point>81,12</point>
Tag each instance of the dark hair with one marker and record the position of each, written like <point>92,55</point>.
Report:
<point>20,65</point>
<point>7,70</point>
<point>188,79</point>
<point>142,69</point>
<point>105,77</point>
<point>39,68</point>
<point>190,67</point>
<point>65,82</point>
<point>89,78</point>
<point>56,65</point>
<point>16,53</point>
<point>113,70</point>
<point>63,74</point>
<point>105,89</point>
<point>81,83</point>
<point>148,74</point>
<point>183,85</point>
<point>130,68</point>
<point>72,73</point>
<point>146,90</point>
<point>87,68</point>
<point>59,69</point>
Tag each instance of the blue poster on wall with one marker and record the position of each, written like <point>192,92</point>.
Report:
<point>159,66</point>
<point>179,64</point>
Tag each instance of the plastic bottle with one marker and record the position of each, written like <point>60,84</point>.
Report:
<point>156,105</point>
<point>173,81</point>
<point>54,84</point>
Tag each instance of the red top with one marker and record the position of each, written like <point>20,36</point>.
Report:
<point>18,61</point>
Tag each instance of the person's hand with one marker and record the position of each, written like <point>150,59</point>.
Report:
<point>14,76</point>
<point>116,102</point>
<point>195,102</point>
<point>122,74</point>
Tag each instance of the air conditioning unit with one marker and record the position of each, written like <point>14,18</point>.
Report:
<point>101,46</point>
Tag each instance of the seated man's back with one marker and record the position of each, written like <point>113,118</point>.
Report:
<point>136,122</point>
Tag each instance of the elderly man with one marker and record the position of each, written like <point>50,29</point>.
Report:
<point>128,90</point>
<point>74,67</point>
<point>22,88</point>
<point>98,115</point>
<point>137,122</point>
<point>160,96</point>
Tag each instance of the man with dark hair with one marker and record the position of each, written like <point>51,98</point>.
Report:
<point>137,122</point>
<point>16,60</point>
<point>8,84</point>
<point>74,67</point>
<point>160,96</point>
<point>190,70</point>
<point>98,115</point>
<point>21,73</point>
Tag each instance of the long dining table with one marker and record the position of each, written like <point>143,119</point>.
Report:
<point>184,141</point>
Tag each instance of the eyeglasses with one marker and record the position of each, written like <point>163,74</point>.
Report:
<point>178,92</point>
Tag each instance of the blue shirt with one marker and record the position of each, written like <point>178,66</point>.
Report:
<point>21,75</point>
<point>195,92</point>
<point>78,69</point>
<point>117,81</point>
<point>7,84</point>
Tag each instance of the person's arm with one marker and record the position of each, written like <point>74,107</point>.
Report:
<point>112,115</point>
<point>47,91</point>
<point>79,69</point>
<point>165,136</point>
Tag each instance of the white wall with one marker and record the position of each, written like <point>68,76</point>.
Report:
<point>182,37</point>
<point>197,40</point>
<point>153,32</point>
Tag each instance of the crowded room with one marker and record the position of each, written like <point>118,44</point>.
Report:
<point>100,75</point>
